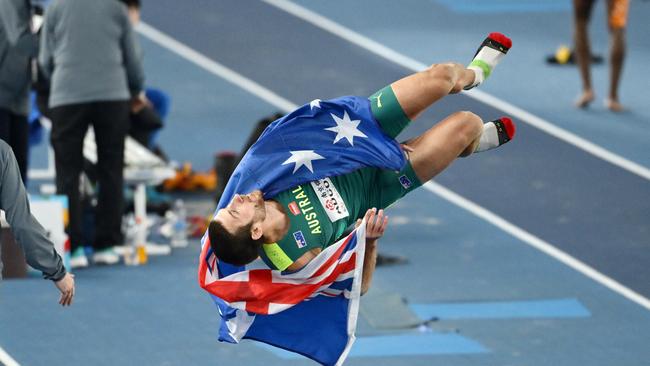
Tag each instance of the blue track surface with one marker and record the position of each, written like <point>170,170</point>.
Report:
<point>544,185</point>
<point>498,301</point>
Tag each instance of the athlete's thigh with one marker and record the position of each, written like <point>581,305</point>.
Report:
<point>439,146</point>
<point>617,13</point>
<point>582,9</point>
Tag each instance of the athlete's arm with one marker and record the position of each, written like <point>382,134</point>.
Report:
<point>376,224</point>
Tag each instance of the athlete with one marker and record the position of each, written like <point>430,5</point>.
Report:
<point>616,19</point>
<point>290,228</point>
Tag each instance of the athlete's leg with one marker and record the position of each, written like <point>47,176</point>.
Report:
<point>459,135</point>
<point>581,14</point>
<point>617,15</point>
<point>418,91</point>
<point>436,148</point>
<point>396,105</point>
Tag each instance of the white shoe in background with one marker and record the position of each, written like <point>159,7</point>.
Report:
<point>158,249</point>
<point>78,259</point>
<point>106,256</point>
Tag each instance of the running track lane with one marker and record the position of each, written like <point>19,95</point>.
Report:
<point>593,210</point>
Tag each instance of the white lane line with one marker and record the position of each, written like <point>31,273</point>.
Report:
<point>536,242</point>
<point>214,67</point>
<point>347,34</point>
<point>274,99</point>
<point>409,63</point>
<point>6,360</point>
<point>564,135</point>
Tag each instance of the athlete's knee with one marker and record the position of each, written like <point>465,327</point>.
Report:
<point>617,35</point>
<point>442,72</point>
<point>469,119</point>
<point>469,125</point>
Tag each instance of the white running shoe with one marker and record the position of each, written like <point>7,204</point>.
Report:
<point>151,248</point>
<point>158,249</point>
<point>122,250</point>
<point>78,259</point>
<point>106,256</point>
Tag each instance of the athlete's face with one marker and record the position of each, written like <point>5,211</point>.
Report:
<point>242,210</point>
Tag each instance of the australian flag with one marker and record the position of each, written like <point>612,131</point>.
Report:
<point>312,311</point>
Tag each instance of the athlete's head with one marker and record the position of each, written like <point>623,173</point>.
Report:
<point>236,231</point>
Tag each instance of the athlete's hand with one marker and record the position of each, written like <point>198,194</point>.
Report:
<point>66,286</point>
<point>376,223</point>
<point>406,147</point>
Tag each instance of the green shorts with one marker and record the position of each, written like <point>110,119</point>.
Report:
<point>385,187</point>
<point>388,112</point>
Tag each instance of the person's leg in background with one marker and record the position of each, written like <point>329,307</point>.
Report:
<point>14,130</point>
<point>6,119</point>
<point>69,126</point>
<point>111,123</point>
<point>20,144</point>
<point>617,19</point>
<point>581,15</point>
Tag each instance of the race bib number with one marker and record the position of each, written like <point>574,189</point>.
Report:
<point>330,199</point>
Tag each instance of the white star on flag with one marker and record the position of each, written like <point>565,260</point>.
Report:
<point>303,157</point>
<point>346,128</point>
<point>314,103</point>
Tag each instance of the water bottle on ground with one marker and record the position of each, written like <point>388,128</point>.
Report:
<point>179,227</point>
<point>134,254</point>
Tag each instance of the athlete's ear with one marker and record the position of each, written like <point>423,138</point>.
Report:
<point>256,231</point>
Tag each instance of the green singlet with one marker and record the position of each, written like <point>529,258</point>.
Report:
<point>321,211</point>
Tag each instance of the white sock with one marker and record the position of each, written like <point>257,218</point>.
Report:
<point>489,139</point>
<point>489,54</point>
<point>484,62</point>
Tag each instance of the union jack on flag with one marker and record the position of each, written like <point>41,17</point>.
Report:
<point>277,307</point>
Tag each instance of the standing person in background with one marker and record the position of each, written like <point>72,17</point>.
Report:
<point>617,19</point>
<point>30,235</point>
<point>133,8</point>
<point>89,54</point>
<point>18,45</point>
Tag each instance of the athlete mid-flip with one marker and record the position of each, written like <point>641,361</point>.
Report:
<point>288,227</point>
